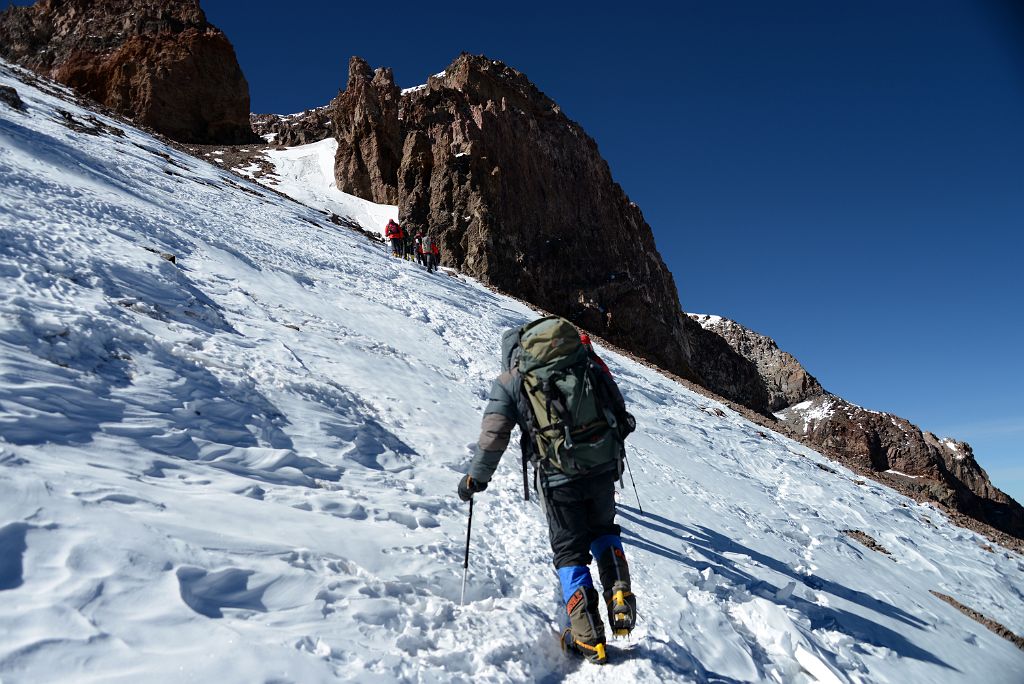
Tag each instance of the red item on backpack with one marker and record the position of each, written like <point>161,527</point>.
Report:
<point>585,339</point>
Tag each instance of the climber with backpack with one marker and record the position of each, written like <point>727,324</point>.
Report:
<point>418,248</point>
<point>574,423</point>
<point>394,233</point>
<point>429,252</point>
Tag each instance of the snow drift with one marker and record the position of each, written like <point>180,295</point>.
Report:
<point>241,466</point>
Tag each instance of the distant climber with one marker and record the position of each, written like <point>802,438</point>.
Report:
<point>417,244</point>
<point>574,423</point>
<point>409,245</point>
<point>394,233</point>
<point>428,252</point>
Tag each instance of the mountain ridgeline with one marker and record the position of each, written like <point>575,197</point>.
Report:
<point>887,447</point>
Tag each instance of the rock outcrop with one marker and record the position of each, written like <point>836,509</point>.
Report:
<point>9,96</point>
<point>891,448</point>
<point>785,380</point>
<point>157,61</point>
<point>366,124</point>
<point>310,126</point>
<point>518,196</point>
<point>942,470</point>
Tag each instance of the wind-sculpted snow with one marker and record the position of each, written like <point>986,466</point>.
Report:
<point>241,467</point>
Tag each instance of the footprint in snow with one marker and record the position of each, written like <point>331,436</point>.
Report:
<point>98,497</point>
<point>158,467</point>
<point>12,552</point>
<point>208,592</point>
<point>345,509</point>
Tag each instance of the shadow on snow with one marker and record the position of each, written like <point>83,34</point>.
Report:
<point>714,546</point>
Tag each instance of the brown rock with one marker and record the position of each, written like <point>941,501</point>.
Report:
<point>944,471</point>
<point>725,372</point>
<point>157,61</point>
<point>365,121</point>
<point>519,196</point>
<point>786,381</point>
<point>310,126</point>
<point>9,96</point>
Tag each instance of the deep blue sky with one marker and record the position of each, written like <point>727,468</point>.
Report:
<point>846,177</point>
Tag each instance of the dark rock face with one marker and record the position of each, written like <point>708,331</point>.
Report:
<point>365,121</point>
<point>9,96</point>
<point>723,371</point>
<point>312,125</point>
<point>157,61</point>
<point>519,196</point>
<point>784,379</point>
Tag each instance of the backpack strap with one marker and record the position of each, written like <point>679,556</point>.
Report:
<point>528,428</point>
<point>612,406</point>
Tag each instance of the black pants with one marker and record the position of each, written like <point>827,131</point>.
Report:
<point>579,512</point>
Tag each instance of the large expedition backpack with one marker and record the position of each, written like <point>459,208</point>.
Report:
<point>571,425</point>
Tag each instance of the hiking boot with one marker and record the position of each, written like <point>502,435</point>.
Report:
<point>618,595</point>
<point>585,625</point>
<point>621,609</point>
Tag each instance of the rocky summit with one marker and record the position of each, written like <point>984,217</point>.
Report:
<point>159,62</point>
<point>369,133</point>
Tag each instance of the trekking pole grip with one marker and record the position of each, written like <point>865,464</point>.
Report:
<point>469,530</point>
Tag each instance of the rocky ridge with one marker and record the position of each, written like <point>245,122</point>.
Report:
<point>159,62</point>
<point>289,130</point>
<point>785,380</point>
<point>891,448</point>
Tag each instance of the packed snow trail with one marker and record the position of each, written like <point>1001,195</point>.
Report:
<point>242,466</point>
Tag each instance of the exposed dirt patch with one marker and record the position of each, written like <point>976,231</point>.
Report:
<point>982,619</point>
<point>867,540</point>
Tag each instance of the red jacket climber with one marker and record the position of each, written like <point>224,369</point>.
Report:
<point>394,232</point>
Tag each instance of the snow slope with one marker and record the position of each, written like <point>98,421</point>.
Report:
<point>306,172</point>
<point>192,489</point>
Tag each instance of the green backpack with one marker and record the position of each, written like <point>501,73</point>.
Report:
<point>569,424</point>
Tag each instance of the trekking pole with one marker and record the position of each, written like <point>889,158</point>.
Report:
<point>526,481</point>
<point>465,562</point>
<point>635,493</point>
